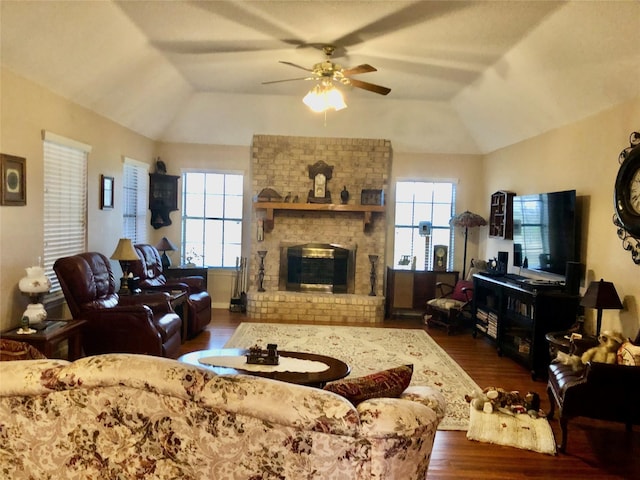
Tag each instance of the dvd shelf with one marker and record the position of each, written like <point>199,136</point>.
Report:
<point>517,319</point>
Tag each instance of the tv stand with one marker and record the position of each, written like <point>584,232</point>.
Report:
<point>517,317</point>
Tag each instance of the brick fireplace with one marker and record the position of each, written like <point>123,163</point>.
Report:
<point>282,163</point>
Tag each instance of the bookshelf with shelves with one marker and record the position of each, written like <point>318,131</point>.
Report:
<point>516,319</point>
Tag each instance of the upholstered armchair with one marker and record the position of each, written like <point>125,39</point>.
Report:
<point>149,270</point>
<point>452,306</point>
<point>116,324</point>
<point>599,390</point>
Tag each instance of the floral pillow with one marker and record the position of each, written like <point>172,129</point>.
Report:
<point>387,383</point>
<point>629,354</point>
<point>13,350</point>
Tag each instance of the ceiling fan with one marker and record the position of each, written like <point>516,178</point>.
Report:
<point>327,72</point>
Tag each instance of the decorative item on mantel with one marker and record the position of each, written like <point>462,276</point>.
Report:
<point>163,245</point>
<point>269,195</point>
<point>373,259</point>
<point>321,173</point>
<point>261,254</point>
<point>467,220</point>
<point>344,195</point>
<point>35,285</point>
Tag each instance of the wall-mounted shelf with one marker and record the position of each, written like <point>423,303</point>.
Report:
<point>271,207</point>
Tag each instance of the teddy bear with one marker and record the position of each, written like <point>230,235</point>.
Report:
<point>606,351</point>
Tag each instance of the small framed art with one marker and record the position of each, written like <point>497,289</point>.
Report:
<point>106,192</point>
<point>13,189</point>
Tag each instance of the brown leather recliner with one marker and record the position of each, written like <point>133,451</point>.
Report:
<point>152,277</point>
<point>601,391</point>
<point>128,324</point>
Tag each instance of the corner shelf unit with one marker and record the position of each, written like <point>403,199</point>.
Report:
<point>516,319</point>
<point>501,215</point>
<point>272,207</point>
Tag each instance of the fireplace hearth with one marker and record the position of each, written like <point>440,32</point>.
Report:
<point>317,267</point>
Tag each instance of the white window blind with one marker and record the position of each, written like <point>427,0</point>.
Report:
<point>135,181</point>
<point>65,200</point>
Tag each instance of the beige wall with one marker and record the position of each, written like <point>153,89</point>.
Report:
<point>26,110</point>
<point>582,156</point>
<point>465,171</point>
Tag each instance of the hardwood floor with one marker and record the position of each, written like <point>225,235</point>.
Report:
<point>595,449</point>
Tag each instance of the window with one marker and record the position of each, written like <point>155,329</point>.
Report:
<point>423,202</point>
<point>134,200</point>
<point>65,200</point>
<point>211,218</point>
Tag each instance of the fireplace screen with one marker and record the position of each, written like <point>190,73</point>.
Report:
<point>317,267</point>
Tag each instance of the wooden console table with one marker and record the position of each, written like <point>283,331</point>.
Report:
<point>56,332</point>
<point>409,290</point>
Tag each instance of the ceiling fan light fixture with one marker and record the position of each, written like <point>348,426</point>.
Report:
<point>324,97</point>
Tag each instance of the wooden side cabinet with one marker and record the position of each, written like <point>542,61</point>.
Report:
<point>409,290</point>
<point>501,215</point>
<point>163,198</point>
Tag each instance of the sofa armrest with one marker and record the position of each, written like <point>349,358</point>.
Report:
<point>444,289</point>
<point>128,328</point>
<point>159,302</point>
<point>612,374</point>
<point>194,283</point>
<point>427,396</point>
<point>395,417</point>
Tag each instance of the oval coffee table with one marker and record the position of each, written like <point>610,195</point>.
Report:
<point>336,370</point>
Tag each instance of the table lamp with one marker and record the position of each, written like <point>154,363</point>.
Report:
<point>164,245</point>
<point>124,253</point>
<point>601,295</point>
<point>35,285</point>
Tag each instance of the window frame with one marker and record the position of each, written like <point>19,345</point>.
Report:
<point>415,226</point>
<point>186,254</point>
<point>140,191</point>
<point>65,191</point>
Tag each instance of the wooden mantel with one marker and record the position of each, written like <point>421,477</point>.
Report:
<point>271,207</point>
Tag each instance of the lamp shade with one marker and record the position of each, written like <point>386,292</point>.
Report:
<point>467,220</point>
<point>165,244</point>
<point>124,251</point>
<point>601,296</point>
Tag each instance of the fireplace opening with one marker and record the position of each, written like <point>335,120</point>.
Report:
<point>317,267</point>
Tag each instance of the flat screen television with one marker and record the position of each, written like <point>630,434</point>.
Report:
<point>546,231</point>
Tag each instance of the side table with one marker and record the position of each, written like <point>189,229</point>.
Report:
<point>55,332</point>
<point>560,341</point>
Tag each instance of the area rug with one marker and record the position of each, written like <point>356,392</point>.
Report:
<point>368,350</point>
<point>519,430</point>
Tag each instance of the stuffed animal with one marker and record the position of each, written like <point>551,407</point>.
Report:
<point>491,399</point>
<point>606,351</point>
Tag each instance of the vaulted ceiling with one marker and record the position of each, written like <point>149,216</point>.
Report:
<point>465,77</point>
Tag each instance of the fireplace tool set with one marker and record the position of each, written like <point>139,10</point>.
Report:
<point>239,298</point>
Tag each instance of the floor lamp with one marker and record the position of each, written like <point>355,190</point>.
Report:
<point>467,220</point>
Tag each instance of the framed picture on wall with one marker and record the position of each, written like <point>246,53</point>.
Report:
<point>13,188</point>
<point>106,192</point>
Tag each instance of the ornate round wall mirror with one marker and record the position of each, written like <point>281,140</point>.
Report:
<point>626,198</point>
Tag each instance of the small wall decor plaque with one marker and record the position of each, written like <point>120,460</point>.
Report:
<point>13,187</point>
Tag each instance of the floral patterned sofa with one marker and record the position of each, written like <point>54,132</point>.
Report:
<point>135,416</point>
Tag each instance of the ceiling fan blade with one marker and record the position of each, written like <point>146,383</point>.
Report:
<point>288,80</point>
<point>369,86</point>
<point>364,68</point>
<point>296,66</point>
